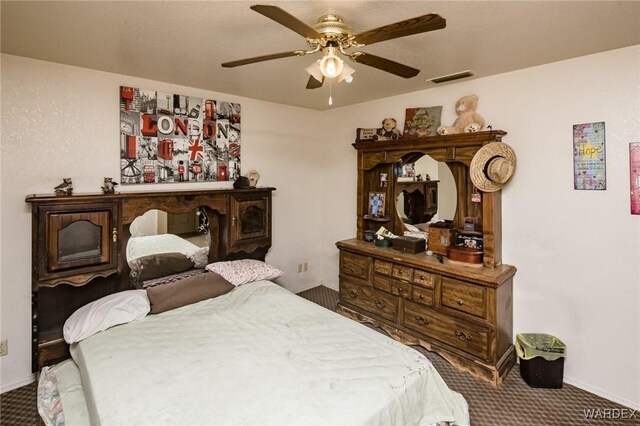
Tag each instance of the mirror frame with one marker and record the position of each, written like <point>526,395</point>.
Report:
<point>455,150</point>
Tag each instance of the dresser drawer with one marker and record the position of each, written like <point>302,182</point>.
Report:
<point>402,289</point>
<point>355,265</point>
<point>469,338</point>
<point>382,267</point>
<point>424,279</point>
<point>370,299</point>
<point>464,297</point>
<point>382,283</point>
<point>402,273</point>
<point>52,352</point>
<point>422,296</point>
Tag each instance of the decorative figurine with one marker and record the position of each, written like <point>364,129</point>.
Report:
<point>65,188</point>
<point>468,120</point>
<point>253,178</point>
<point>388,132</point>
<point>109,186</point>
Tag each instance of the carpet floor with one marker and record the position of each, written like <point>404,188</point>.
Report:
<point>512,403</point>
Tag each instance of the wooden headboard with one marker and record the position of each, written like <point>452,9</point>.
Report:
<point>79,247</point>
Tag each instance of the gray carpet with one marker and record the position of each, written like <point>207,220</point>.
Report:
<point>512,403</point>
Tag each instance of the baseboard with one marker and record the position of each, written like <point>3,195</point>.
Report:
<point>331,286</point>
<point>308,286</point>
<point>635,405</point>
<point>20,383</point>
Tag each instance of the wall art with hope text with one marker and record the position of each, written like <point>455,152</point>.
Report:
<point>589,159</point>
<point>165,137</point>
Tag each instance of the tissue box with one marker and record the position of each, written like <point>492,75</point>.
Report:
<point>409,244</point>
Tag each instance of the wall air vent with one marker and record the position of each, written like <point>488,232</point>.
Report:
<point>451,77</point>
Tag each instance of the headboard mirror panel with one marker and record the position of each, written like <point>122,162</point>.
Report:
<point>158,233</point>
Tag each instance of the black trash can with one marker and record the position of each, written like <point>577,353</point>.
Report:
<point>541,359</point>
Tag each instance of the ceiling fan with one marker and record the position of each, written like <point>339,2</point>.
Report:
<point>332,36</point>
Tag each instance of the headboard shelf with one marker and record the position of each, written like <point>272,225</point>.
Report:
<point>79,246</point>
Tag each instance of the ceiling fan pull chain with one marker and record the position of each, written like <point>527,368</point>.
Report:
<point>330,99</point>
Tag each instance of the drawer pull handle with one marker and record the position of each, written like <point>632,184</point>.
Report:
<point>353,294</point>
<point>399,272</point>
<point>421,297</point>
<point>460,302</point>
<point>463,336</point>
<point>380,304</point>
<point>400,290</point>
<point>422,321</point>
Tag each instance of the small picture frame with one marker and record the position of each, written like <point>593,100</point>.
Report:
<point>376,204</point>
<point>383,180</point>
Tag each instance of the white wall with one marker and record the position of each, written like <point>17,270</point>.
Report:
<point>577,252</point>
<point>61,121</point>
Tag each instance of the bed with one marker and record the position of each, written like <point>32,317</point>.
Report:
<point>256,355</point>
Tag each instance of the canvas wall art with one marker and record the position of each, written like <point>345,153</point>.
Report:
<point>589,160</point>
<point>167,137</point>
<point>634,171</point>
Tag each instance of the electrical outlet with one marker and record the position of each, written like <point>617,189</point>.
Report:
<point>305,267</point>
<point>299,267</point>
<point>4,348</point>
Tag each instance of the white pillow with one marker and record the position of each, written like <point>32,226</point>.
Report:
<point>244,271</point>
<point>114,309</point>
<point>199,256</point>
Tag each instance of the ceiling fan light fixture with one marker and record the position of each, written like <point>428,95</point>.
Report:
<point>314,70</point>
<point>331,65</point>
<point>347,74</point>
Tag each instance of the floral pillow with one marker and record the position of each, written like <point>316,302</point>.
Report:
<point>239,272</point>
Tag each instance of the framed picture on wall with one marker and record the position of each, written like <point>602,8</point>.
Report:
<point>376,204</point>
<point>634,171</point>
<point>589,160</point>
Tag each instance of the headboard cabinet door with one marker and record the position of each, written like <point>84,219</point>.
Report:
<point>250,220</point>
<point>75,243</point>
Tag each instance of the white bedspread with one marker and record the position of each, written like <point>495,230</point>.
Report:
<point>258,355</point>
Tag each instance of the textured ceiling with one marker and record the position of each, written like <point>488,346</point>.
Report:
<point>184,42</point>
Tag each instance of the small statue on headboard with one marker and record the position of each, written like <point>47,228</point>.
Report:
<point>109,186</point>
<point>65,188</point>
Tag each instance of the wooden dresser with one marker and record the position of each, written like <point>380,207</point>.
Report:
<point>463,312</point>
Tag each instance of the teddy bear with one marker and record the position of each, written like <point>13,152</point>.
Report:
<point>388,132</point>
<point>468,120</point>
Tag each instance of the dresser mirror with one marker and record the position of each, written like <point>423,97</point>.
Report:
<point>425,191</point>
<point>157,231</point>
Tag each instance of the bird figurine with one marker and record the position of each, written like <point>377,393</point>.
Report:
<point>65,188</point>
<point>109,186</point>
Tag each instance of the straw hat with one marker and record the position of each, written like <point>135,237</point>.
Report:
<point>492,166</point>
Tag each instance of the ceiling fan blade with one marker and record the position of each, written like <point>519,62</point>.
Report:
<point>286,19</point>
<point>419,24</point>
<point>383,64</point>
<point>313,83</point>
<point>260,59</point>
